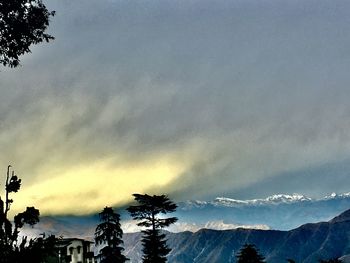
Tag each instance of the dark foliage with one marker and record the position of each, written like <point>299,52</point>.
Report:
<point>148,209</point>
<point>147,212</point>
<point>37,250</point>
<point>22,24</point>
<point>109,232</point>
<point>30,217</point>
<point>155,248</point>
<point>249,254</point>
<point>13,250</point>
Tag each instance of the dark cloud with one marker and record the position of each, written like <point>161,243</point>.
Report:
<point>239,92</point>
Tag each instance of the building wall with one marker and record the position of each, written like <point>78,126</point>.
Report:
<point>77,249</point>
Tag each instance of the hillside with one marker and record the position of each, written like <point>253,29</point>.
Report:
<point>306,244</point>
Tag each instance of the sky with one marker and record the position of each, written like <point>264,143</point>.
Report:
<point>195,99</point>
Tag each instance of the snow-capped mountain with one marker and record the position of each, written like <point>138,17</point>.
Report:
<point>337,196</point>
<point>280,211</point>
<point>276,199</point>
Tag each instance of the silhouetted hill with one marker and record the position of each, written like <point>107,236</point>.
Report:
<point>305,244</point>
<point>343,217</point>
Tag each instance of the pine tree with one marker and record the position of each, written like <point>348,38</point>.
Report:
<point>109,233</point>
<point>249,254</point>
<point>147,212</point>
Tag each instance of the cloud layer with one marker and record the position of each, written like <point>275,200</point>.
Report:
<point>192,98</point>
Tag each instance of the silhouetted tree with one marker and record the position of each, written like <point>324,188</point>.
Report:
<point>109,232</point>
<point>249,254</point>
<point>333,260</point>
<point>22,23</point>
<point>13,250</point>
<point>147,212</point>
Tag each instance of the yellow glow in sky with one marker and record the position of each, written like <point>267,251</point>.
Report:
<point>86,189</point>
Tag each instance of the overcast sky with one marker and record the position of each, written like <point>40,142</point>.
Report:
<point>192,98</point>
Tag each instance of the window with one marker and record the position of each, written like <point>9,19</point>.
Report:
<point>70,251</point>
<point>78,248</point>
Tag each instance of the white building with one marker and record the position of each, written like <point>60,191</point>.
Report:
<point>75,250</point>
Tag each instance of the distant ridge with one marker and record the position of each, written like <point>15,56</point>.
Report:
<point>305,244</point>
<point>343,217</point>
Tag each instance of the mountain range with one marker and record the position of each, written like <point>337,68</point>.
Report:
<point>306,244</point>
<point>281,226</point>
<point>279,212</point>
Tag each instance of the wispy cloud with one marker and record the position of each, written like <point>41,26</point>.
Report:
<point>192,98</point>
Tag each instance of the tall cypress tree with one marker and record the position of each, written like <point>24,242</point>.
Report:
<point>109,234</point>
<point>147,212</point>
